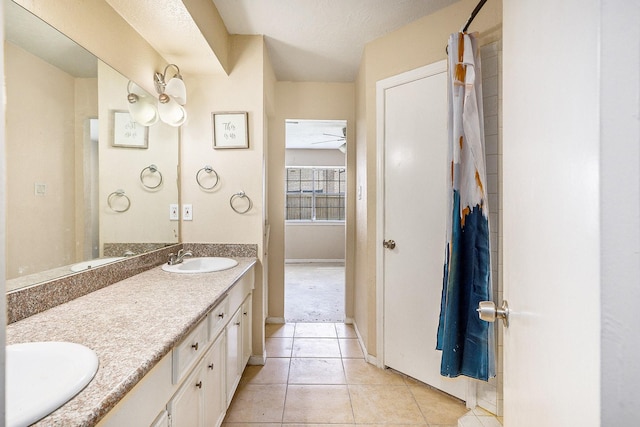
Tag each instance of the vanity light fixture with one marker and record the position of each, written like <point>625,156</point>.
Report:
<point>142,107</point>
<point>172,95</point>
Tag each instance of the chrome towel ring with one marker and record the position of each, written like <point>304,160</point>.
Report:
<point>238,196</point>
<point>115,196</point>
<point>152,169</point>
<point>208,169</point>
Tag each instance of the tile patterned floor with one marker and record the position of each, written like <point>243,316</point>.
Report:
<point>316,375</point>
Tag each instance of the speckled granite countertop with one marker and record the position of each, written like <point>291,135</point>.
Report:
<point>131,325</point>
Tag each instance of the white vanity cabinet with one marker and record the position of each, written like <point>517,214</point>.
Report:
<point>201,399</point>
<point>194,384</point>
<point>238,333</point>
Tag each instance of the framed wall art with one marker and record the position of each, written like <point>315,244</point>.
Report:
<point>230,130</point>
<point>127,133</point>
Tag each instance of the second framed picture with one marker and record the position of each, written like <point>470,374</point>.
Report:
<point>230,130</point>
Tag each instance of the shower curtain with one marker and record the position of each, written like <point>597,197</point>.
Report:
<point>467,343</point>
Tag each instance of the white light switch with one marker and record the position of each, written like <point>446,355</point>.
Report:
<point>173,212</point>
<point>187,212</point>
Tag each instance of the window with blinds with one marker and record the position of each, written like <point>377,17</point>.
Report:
<point>315,194</point>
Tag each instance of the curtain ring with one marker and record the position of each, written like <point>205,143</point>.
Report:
<point>152,169</point>
<point>240,195</point>
<point>118,193</point>
<point>207,169</point>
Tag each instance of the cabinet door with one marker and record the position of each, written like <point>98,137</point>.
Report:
<point>234,354</point>
<point>187,406</point>
<point>215,401</point>
<point>246,332</point>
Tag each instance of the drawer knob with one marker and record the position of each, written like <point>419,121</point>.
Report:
<point>199,384</point>
<point>245,313</point>
<point>194,346</point>
<point>210,365</point>
<point>221,315</point>
<point>237,324</point>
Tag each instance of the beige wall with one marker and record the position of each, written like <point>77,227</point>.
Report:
<point>419,43</point>
<point>40,119</point>
<point>147,219</point>
<point>327,101</point>
<point>314,242</point>
<point>239,169</point>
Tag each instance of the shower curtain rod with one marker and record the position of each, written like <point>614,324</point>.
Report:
<point>473,15</point>
<point>470,20</point>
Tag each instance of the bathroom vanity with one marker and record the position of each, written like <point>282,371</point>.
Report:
<point>171,347</point>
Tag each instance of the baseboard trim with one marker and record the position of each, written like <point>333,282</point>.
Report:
<point>275,320</point>
<point>368,357</point>
<point>258,360</point>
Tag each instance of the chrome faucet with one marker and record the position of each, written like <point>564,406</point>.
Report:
<point>177,259</point>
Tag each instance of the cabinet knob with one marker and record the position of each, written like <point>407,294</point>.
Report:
<point>237,324</point>
<point>221,315</point>
<point>194,346</point>
<point>199,384</point>
<point>210,365</point>
<point>245,313</point>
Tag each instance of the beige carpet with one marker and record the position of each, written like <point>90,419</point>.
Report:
<point>314,292</point>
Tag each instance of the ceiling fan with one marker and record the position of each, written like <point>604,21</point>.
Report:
<point>336,138</point>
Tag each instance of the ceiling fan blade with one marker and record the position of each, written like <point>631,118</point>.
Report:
<point>329,140</point>
<point>337,136</point>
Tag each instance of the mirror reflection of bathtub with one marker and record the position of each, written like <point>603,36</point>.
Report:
<point>61,162</point>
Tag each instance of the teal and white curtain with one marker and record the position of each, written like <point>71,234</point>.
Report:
<point>467,343</point>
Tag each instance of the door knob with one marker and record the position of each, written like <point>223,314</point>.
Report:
<point>389,244</point>
<point>488,312</point>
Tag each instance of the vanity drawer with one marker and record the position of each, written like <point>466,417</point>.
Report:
<point>189,351</point>
<point>217,318</point>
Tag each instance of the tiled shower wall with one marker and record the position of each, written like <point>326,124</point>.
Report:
<point>489,394</point>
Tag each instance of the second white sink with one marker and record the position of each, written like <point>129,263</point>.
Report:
<point>42,376</point>
<point>201,265</point>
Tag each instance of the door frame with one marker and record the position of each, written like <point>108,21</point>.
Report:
<point>381,87</point>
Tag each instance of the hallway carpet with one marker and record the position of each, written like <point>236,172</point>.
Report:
<point>314,292</point>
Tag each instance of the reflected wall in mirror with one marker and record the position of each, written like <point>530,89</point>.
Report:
<point>62,165</point>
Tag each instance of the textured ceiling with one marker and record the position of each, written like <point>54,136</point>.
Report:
<point>170,29</point>
<point>320,40</point>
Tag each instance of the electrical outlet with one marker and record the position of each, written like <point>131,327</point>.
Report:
<point>187,212</point>
<point>173,212</point>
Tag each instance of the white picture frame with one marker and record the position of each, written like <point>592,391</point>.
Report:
<point>230,130</point>
<point>126,132</point>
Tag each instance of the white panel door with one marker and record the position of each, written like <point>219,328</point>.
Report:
<point>414,149</point>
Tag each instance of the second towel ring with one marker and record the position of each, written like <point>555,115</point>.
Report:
<point>208,169</point>
<point>240,195</point>
<point>152,169</point>
<point>118,193</point>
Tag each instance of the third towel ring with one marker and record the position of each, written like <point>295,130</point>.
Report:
<point>240,195</point>
<point>118,193</point>
<point>208,169</point>
<point>152,169</point>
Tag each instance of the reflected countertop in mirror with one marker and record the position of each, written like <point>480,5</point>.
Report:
<point>66,115</point>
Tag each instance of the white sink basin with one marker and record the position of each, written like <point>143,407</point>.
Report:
<point>201,265</point>
<point>42,376</point>
<point>85,265</point>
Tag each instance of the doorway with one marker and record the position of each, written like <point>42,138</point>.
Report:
<point>315,219</point>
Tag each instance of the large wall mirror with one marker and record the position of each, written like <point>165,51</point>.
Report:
<point>83,182</point>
